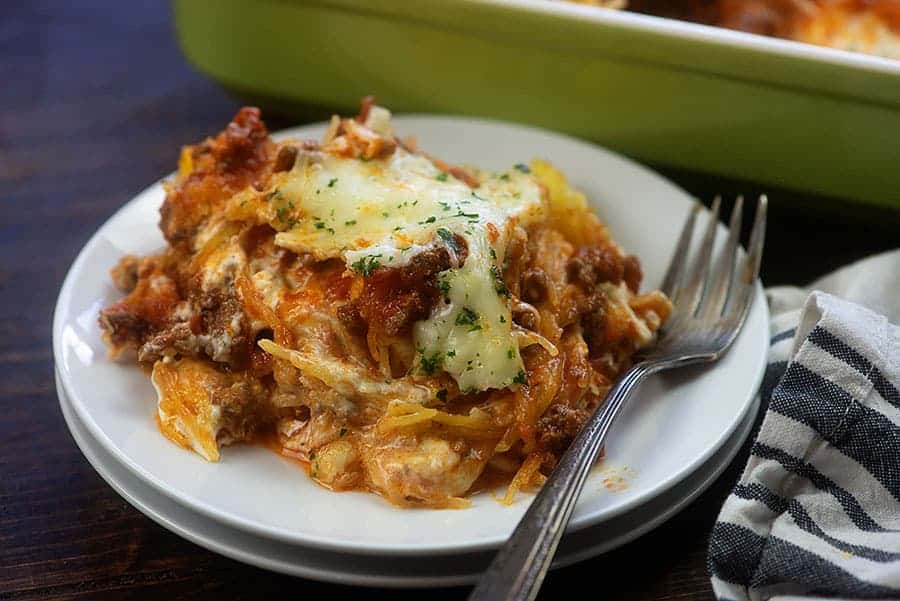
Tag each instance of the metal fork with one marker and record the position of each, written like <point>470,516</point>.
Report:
<point>709,311</point>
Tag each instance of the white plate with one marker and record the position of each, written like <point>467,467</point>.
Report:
<point>674,423</point>
<point>372,570</point>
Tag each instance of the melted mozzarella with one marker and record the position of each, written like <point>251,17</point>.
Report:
<point>383,212</point>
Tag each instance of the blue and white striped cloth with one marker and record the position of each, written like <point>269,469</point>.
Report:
<point>816,513</point>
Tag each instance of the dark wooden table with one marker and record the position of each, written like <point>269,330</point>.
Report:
<point>94,103</point>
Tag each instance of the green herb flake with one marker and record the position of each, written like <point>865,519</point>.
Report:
<point>351,222</point>
<point>451,353</point>
<point>522,167</point>
<point>510,353</point>
<point>430,363</point>
<point>445,234</point>
<point>441,177</point>
<point>499,285</point>
<point>366,265</point>
<point>504,177</point>
<point>468,317</point>
<point>449,239</point>
<point>520,378</point>
<point>332,182</point>
<point>444,286</point>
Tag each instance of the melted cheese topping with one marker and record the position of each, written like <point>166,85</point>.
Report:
<point>382,212</point>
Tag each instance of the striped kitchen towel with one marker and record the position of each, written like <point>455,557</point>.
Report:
<point>816,513</point>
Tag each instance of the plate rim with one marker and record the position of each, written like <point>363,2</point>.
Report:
<point>396,549</point>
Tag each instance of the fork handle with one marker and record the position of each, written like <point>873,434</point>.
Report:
<point>519,567</point>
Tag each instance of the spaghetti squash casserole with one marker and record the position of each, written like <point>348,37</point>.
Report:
<point>398,324</point>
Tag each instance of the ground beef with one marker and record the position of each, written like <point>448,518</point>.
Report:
<point>593,323</point>
<point>535,284</point>
<point>558,427</point>
<point>123,328</point>
<point>224,330</point>
<point>632,273</point>
<point>240,156</point>
<point>352,319</point>
<point>393,299</point>
<point>177,340</point>
<point>125,274</point>
<point>592,265</point>
<point>287,155</point>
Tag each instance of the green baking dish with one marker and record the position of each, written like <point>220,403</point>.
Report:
<point>659,90</point>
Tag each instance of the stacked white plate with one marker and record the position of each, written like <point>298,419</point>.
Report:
<point>678,433</point>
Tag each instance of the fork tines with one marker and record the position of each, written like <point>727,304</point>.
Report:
<point>714,290</point>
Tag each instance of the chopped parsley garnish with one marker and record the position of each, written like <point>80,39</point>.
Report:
<point>468,317</point>
<point>441,177</point>
<point>520,378</point>
<point>274,194</point>
<point>445,205</point>
<point>320,225</point>
<point>332,182</point>
<point>431,219</point>
<point>430,363</point>
<point>499,284</point>
<point>502,319</point>
<point>522,167</point>
<point>493,253</point>
<point>441,395</point>
<point>366,265</point>
<point>467,215</point>
<point>504,177</point>
<point>449,239</point>
<point>385,214</point>
<point>510,353</point>
<point>444,286</point>
<point>451,353</point>
<point>351,222</point>
<point>283,214</point>
<point>446,235</point>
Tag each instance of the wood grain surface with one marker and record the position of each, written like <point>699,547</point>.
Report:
<point>95,101</point>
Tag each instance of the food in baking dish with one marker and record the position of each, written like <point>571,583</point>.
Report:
<point>870,26</point>
<point>399,324</point>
